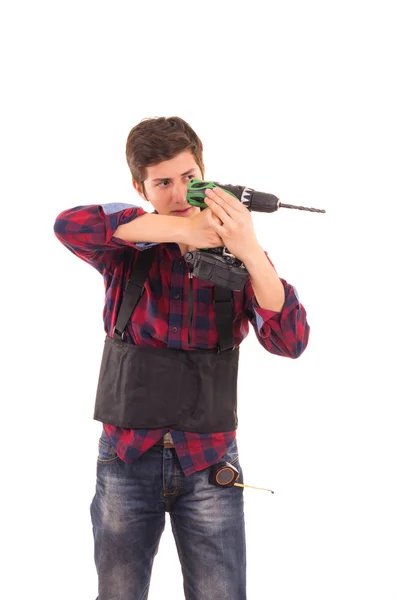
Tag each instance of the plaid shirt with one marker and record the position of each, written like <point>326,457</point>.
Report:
<point>161,316</point>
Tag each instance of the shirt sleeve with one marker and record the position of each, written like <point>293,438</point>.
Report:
<point>285,333</point>
<point>87,231</point>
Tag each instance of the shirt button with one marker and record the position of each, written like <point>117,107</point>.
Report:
<point>174,329</point>
<point>176,297</point>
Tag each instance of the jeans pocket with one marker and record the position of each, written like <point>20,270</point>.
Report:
<point>231,455</point>
<point>106,452</point>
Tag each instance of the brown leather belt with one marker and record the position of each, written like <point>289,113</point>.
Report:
<point>166,441</point>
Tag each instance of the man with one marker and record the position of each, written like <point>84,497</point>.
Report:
<point>166,381</point>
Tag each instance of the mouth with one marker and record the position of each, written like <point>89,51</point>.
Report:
<point>181,212</point>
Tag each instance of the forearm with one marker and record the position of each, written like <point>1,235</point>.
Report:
<point>154,228</point>
<point>268,289</point>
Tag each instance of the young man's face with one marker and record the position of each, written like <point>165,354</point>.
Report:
<point>166,185</point>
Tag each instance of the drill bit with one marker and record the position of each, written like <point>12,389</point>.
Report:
<point>317,210</point>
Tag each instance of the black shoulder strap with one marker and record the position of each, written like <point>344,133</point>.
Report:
<point>133,290</point>
<point>223,300</point>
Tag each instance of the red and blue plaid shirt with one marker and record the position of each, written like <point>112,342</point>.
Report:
<point>161,317</point>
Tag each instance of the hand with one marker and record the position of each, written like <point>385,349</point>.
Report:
<point>201,231</point>
<point>234,223</point>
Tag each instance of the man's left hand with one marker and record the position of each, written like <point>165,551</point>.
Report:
<point>236,228</point>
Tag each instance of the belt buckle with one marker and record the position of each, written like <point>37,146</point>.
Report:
<point>167,441</point>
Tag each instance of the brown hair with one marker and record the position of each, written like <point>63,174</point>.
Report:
<point>157,139</point>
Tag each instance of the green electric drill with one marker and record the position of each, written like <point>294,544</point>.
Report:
<point>217,265</point>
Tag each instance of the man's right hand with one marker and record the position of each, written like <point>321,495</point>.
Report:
<point>200,230</point>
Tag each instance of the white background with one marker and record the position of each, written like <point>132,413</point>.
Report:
<point>296,99</point>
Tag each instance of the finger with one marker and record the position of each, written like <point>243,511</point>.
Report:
<point>216,222</point>
<point>226,199</point>
<point>216,219</point>
<point>221,202</point>
<point>219,211</point>
<point>212,215</point>
<point>218,227</point>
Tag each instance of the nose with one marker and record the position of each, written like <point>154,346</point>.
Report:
<point>179,193</point>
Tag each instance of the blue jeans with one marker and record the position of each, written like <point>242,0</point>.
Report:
<point>128,518</point>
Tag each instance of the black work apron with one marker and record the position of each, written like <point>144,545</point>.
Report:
<point>152,388</point>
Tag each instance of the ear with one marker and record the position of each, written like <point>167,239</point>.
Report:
<point>139,189</point>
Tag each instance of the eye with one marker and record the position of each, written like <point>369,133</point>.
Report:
<point>166,181</point>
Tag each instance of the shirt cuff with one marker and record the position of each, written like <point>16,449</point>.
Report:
<point>118,213</point>
<point>263,315</point>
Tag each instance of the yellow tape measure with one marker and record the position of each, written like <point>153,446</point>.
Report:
<point>226,475</point>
